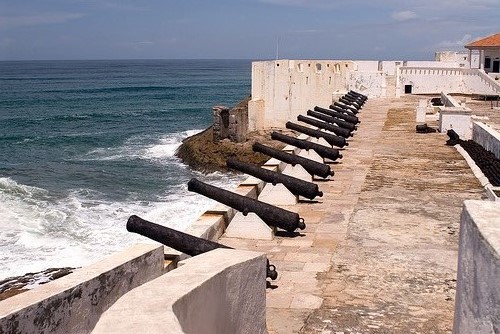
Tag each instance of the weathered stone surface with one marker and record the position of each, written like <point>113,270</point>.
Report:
<point>380,247</point>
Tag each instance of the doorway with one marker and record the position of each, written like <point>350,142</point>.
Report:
<point>496,66</point>
<point>408,89</point>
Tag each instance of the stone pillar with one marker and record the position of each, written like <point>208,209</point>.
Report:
<point>230,124</point>
<point>221,122</point>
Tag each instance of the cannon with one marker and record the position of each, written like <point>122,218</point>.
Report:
<point>343,110</point>
<point>331,139</point>
<point>296,186</point>
<point>331,119</point>
<point>364,97</point>
<point>180,241</point>
<point>323,151</point>
<point>325,126</point>
<point>359,98</point>
<point>338,113</point>
<point>353,99</point>
<point>271,215</point>
<point>345,107</point>
<point>349,103</point>
<point>454,138</point>
<point>312,167</point>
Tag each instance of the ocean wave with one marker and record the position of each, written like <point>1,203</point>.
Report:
<point>39,231</point>
<point>160,149</point>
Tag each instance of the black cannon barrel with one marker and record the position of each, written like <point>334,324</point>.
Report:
<point>348,99</point>
<point>352,101</point>
<point>271,215</point>
<point>325,126</point>
<point>177,240</point>
<point>345,107</point>
<point>294,185</point>
<point>312,167</point>
<point>323,151</point>
<point>358,94</point>
<point>180,241</point>
<point>331,139</point>
<point>343,110</point>
<point>352,105</point>
<point>357,97</point>
<point>350,118</point>
<point>333,120</point>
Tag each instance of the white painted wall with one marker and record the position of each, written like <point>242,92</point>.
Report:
<point>487,137</point>
<point>478,294</point>
<point>74,303</point>
<point>284,89</point>
<point>368,83</point>
<point>221,291</point>
<point>429,80</point>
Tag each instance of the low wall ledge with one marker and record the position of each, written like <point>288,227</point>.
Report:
<point>486,216</point>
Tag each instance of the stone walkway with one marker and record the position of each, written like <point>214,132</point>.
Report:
<point>379,252</point>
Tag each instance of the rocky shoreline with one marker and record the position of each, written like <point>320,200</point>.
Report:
<point>201,152</point>
<point>15,285</point>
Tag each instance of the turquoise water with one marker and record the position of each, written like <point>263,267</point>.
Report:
<point>85,144</point>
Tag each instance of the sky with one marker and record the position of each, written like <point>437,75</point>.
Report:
<point>245,29</point>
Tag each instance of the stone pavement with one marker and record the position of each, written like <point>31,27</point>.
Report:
<point>379,252</point>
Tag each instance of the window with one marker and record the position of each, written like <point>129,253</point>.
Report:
<point>487,62</point>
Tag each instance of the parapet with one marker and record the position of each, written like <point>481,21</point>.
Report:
<point>221,291</point>
<point>74,303</point>
<point>478,295</point>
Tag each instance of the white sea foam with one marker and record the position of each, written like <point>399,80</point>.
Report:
<point>162,148</point>
<point>37,232</point>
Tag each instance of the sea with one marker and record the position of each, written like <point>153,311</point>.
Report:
<point>86,144</point>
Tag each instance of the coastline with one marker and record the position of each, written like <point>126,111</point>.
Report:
<point>201,152</point>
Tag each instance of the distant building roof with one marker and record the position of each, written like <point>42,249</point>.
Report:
<point>492,41</point>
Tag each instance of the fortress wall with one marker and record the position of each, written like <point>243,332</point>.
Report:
<point>431,80</point>
<point>478,296</point>
<point>74,303</point>
<point>487,137</point>
<point>283,89</point>
<point>221,291</point>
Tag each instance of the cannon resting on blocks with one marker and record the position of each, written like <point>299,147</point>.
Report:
<point>180,241</point>
<point>312,167</point>
<point>296,186</point>
<point>269,214</point>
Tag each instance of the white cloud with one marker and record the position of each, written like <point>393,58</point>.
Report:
<point>34,20</point>
<point>404,15</point>
<point>467,38</point>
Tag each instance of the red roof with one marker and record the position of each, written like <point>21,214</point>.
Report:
<point>490,41</point>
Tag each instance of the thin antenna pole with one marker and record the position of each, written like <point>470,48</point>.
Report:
<point>277,48</point>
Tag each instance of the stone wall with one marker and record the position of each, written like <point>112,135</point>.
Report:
<point>487,137</point>
<point>222,291</point>
<point>284,89</point>
<point>74,303</point>
<point>232,123</point>
<point>478,278</point>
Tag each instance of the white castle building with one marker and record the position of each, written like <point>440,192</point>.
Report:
<point>283,89</point>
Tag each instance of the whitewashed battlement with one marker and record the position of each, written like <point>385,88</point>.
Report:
<point>284,89</point>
